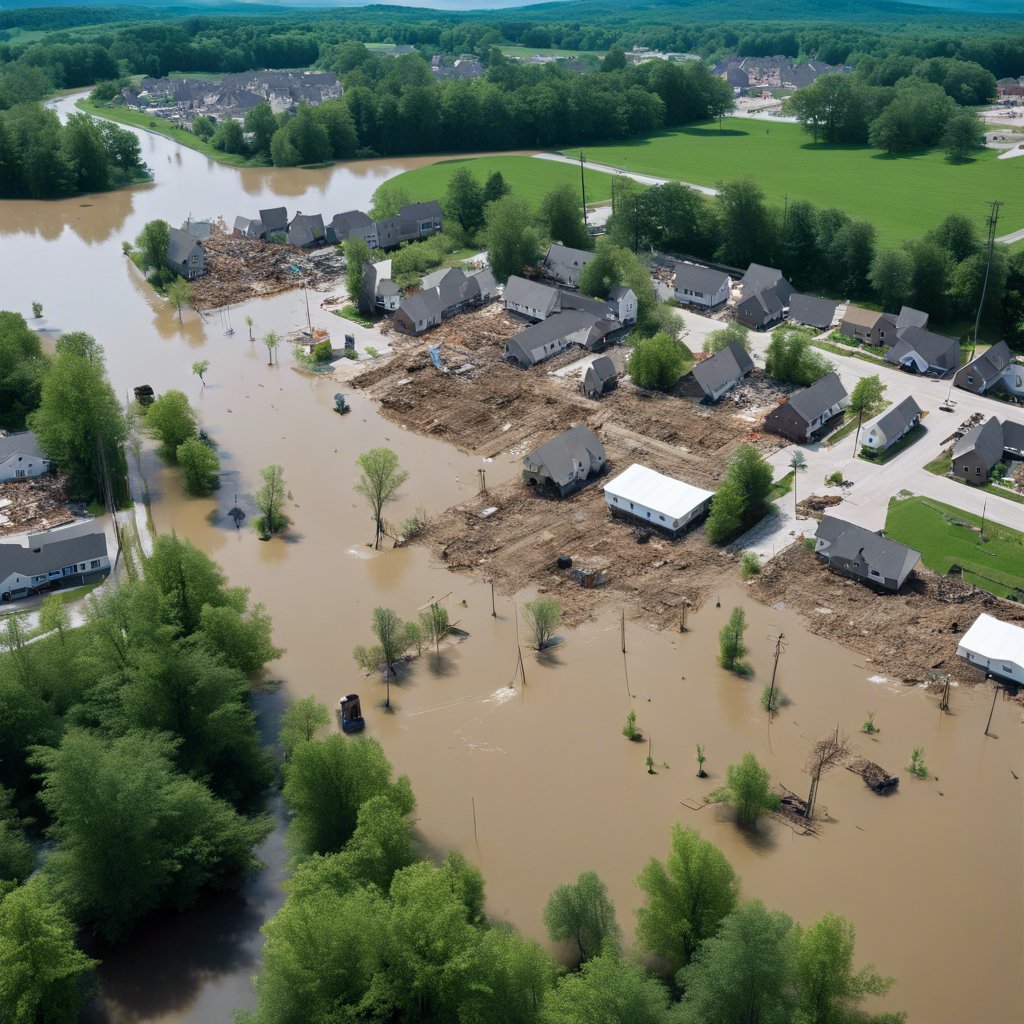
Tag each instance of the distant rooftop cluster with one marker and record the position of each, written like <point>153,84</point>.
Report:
<point>757,73</point>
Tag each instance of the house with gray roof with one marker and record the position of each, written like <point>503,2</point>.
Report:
<point>379,293</point>
<point>722,371</point>
<point>985,370</point>
<point>565,264</point>
<point>412,223</point>
<point>418,313</point>
<point>47,561</point>
<point>759,278</point>
<point>185,255</point>
<point>600,378</point>
<point>307,230</point>
<point>885,430</point>
<point>812,311</point>
<point>21,458</point>
<point>566,462</point>
<point>921,351</point>
<point>807,415</point>
<point>456,291</point>
<point>530,298</point>
<point>554,335</point>
<point>1013,439</point>
<point>623,304</point>
<point>246,227</point>
<point>486,284</point>
<point>978,451</point>
<point>353,224</point>
<point>863,555</point>
<point>275,220</point>
<point>761,310</point>
<point>700,286</point>
<point>910,317</point>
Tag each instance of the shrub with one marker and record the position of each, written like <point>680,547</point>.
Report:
<point>543,617</point>
<point>917,766</point>
<point>323,352</point>
<point>657,362</point>
<point>629,730</point>
<point>835,479</point>
<point>731,647</point>
<point>750,565</point>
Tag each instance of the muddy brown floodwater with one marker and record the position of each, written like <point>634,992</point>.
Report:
<point>931,876</point>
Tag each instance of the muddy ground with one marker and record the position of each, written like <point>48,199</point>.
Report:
<point>910,636</point>
<point>33,505</point>
<point>488,408</point>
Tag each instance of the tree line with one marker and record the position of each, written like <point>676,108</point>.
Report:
<point>133,774</point>
<point>41,158</point>
<point>371,931</point>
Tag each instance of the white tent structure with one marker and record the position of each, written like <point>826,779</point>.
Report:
<point>995,646</point>
<point>655,499</point>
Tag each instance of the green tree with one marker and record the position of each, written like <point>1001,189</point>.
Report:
<point>608,990</point>
<point>229,138</point>
<point>615,265</point>
<point>464,201</point>
<point>561,214</point>
<point>747,788</point>
<point>82,143</point>
<point>731,647</point>
<point>179,294</point>
<point>866,399</point>
<point>54,616</point>
<point>580,912</point>
<point>17,857</point>
<point>79,422</point>
<point>512,242</point>
<point>388,200</point>
<point>187,580</point>
<point>357,253</point>
<point>262,123</point>
<point>743,973</point>
<point>132,834</point>
<point>742,498</point>
<point>657,362</point>
<point>792,359</point>
<point>199,368</point>
<point>725,336</point>
<point>891,276</point>
<point>435,624</point>
<point>327,781</point>
<point>172,421</point>
<point>22,366</point>
<point>958,236</point>
<point>152,244</point>
<point>829,989</point>
<point>241,636</point>
<point>334,117</point>
<point>614,60</point>
<point>686,897</point>
<point>203,127</point>
<point>270,500</point>
<point>495,187</point>
<point>301,721</point>
<point>747,229</point>
<point>42,972</point>
<point>393,640</point>
<point>271,340</point>
<point>378,483</point>
<point>543,617</point>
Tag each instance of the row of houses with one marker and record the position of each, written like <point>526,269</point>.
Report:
<point>412,223</point>
<point>759,73</point>
<point>68,556</point>
<point>442,295</point>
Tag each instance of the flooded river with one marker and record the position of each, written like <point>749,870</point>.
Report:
<point>534,783</point>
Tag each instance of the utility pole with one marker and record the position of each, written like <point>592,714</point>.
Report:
<point>991,710</point>
<point>993,219</point>
<point>775,668</point>
<point>984,509</point>
<point>583,186</point>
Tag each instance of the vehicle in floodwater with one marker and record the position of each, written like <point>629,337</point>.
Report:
<point>351,713</point>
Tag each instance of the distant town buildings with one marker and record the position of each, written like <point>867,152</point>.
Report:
<point>756,74</point>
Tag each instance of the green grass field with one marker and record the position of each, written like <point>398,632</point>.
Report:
<point>530,51</point>
<point>527,176</point>
<point>902,196</point>
<point>937,531</point>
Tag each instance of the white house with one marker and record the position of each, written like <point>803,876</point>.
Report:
<point>655,499</point>
<point>884,431</point>
<point>701,286</point>
<point>21,457</point>
<point>623,304</point>
<point>52,560</point>
<point>995,646</point>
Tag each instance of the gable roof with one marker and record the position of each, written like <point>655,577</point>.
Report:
<point>985,440</point>
<point>762,304</point>
<point>430,210</point>
<point>887,557</point>
<point>179,245</point>
<point>910,317</point>
<point>1013,435</point>
<point>521,292</point>
<point>705,280</point>
<point>595,307</point>
<point>485,281</point>
<point>995,640</point>
<point>562,259</point>
<point>452,286</point>
<point>935,349</point>
<point>424,305</point>
<point>42,555</point>
<point>991,363</point>
<point>306,228</point>
<point>810,403</point>
<point>730,364</point>
<point>896,420</point>
<point>343,224</point>
<point>759,278</point>
<point>275,219</point>
<point>860,317</point>
<point>810,310</point>
<point>25,443</point>
<point>557,456</point>
<point>556,327</point>
<point>603,368</point>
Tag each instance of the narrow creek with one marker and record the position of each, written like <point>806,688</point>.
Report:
<point>930,876</point>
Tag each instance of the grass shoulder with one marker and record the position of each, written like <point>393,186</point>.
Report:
<point>911,437</point>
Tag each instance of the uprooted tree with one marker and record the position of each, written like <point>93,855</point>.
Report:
<point>825,755</point>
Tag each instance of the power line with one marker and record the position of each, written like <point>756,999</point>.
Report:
<point>993,219</point>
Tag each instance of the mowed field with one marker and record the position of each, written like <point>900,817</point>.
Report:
<point>902,196</point>
<point>528,177</point>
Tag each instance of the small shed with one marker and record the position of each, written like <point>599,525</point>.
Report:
<point>656,500</point>
<point>600,378</point>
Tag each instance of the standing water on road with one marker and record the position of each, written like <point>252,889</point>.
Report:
<point>555,787</point>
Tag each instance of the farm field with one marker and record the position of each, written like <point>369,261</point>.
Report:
<point>530,51</point>
<point>527,177</point>
<point>934,529</point>
<point>902,196</point>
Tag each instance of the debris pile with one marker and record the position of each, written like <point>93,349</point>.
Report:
<point>873,774</point>
<point>815,506</point>
<point>32,505</point>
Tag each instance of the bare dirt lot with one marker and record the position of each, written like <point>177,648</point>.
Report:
<point>38,504</point>
<point>910,636</point>
<point>489,408</point>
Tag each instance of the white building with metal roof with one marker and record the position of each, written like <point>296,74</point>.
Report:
<point>655,499</point>
<point>995,646</point>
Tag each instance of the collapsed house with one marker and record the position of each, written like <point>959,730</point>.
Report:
<point>600,378</point>
<point>565,264</point>
<point>557,333</point>
<point>723,371</point>
<point>812,311</point>
<point>993,368</point>
<point>766,295</point>
<point>995,646</point>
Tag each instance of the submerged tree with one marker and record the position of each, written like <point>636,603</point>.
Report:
<point>393,640</point>
<point>270,500</point>
<point>731,647</point>
<point>747,788</point>
<point>179,292</point>
<point>380,480</point>
<point>543,617</point>
<point>825,755</point>
<point>581,913</point>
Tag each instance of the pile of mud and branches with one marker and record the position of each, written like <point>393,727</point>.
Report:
<point>28,506</point>
<point>908,636</point>
<point>238,269</point>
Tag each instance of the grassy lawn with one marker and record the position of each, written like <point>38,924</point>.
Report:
<point>902,196</point>
<point>781,487</point>
<point>530,51</point>
<point>530,178</point>
<point>850,420</point>
<point>138,119</point>
<point>353,314</point>
<point>912,436</point>
<point>946,536</point>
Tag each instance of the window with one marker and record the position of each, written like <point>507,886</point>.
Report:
<point>195,260</point>
<point>970,380</point>
<point>631,507</point>
<point>19,472</point>
<point>94,564</point>
<point>977,470</point>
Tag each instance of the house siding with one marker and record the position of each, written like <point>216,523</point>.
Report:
<point>23,467</point>
<point>652,517</point>
<point>693,297</point>
<point>970,468</point>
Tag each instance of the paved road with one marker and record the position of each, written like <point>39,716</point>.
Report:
<point>644,179</point>
<point>866,500</point>
<point>1013,236</point>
